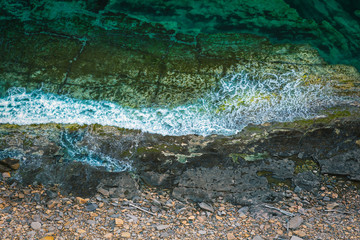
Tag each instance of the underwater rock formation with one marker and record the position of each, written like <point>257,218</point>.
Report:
<point>63,48</point>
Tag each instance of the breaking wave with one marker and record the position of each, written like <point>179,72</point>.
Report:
<point>237,101</point>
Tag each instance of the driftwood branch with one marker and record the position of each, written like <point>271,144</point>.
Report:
<point>336,211</point>
<point>141,209</point>
<point>282,211</point>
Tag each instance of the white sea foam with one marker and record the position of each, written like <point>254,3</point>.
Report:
<point>238,101</point>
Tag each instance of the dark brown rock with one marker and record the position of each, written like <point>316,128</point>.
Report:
<point>12,163</point>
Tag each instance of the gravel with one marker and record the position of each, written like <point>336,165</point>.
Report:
<point>68,217</point>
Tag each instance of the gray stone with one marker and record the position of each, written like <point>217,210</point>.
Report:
<point>295,238</point>
<point>35,225</point>
<point>51,194</point>
<point>203,184</point>
<point>307,181</point>
<point>162,227</point>
<point>132,217</point>
<point>103,192</point>
<point>206,207</point>
<point>295,222</point>
<point>257,238</point>
<point>91,207</point>
<point>164,235</point>
<point>326,199</point>
<point>36,218</point>
<point>91,222</point>
<point>344,163</point>
<point>243,210</point>
<point>154,209</point>
<point>297,189</point>
<point>169,203</point>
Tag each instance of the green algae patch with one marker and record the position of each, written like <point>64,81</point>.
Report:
<point>305,166</point>
<point>235,157</point>
<point>10,126</point>
<point>74,127</point>
<point>148,150</point>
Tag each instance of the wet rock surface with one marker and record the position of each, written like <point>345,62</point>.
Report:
<point>241,169</point>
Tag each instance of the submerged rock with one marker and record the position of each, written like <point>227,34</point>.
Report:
<point>112,56</point>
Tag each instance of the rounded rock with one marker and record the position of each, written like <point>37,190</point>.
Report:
<point>35,225</point>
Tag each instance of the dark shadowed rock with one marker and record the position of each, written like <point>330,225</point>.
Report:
<point>307,181</point>
<point>347,163</point>
<point>239,186</point>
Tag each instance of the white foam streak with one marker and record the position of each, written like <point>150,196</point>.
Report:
<point>237,102</point>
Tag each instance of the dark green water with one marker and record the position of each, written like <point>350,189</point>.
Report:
<point>331,26</point>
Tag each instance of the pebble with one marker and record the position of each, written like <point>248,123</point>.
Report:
<point>35,225</point>
<point>243,210</point>
<point>300,233</point>
<point>164,235</point>
<point>47,238</point>
<point>230,236</point>
<point>201,219</point>
<point>119,222</point>
<point>295,238</point>
<point>297,189</point>
<point>6,175</point>
<point>162,227</point>
<point>91,222</point>
<point>327,199</point>
<point>91,207</point>
<point>103,192</point>
<point>257,238</point>
<point>169,203</point>
<point>67,219</point>
<point>51,194</point>
<point>206,207</point>
<point>331,206</point>
<point>108,235</point>
<point>295,222</point>
<point>125,235</point>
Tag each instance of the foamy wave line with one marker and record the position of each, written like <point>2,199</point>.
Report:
<point>238,101</point>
